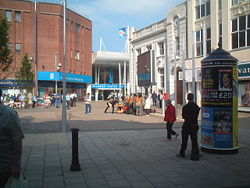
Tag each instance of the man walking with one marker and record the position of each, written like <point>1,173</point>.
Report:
<point>190,127</point>
<point>11,137</point>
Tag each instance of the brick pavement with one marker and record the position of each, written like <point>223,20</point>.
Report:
<point>139,158</point>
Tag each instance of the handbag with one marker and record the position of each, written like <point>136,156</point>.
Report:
<point>20,182</point>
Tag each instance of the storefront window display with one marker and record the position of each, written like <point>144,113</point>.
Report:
<point>244,94</point>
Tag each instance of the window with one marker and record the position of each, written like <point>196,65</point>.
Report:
<point>236,2</point>
<point>241,32</point>
<point>17,16</point>
<point>77,55</point>
<point>138,51</point>
<point>220,33</point>
<point>199,43</point>
<point>8,15</point>
<point>177,44</point>
<point>10,46</point>
<point>208,40</point>
<point>219,4</point>
<point>18,48</point>
<point>202,8</point>
<point>77,28</point>
<point>149,47</point>
<point>161,48</point>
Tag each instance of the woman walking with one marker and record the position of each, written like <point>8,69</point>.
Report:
<point>170,118</point>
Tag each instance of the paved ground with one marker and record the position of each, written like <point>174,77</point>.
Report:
<point>118,150</point>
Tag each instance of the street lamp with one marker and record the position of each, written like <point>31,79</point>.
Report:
<point>57,68</point>
<point>31,60</point>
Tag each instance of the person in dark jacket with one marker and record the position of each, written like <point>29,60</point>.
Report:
<point>111,103</point>
<point>154,98</point>
<point>170,118</point>
<point>190,127</point>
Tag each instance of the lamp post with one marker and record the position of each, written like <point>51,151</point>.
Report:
<point>64,112</point>
<point>57,68</point>
<point>31,60</point>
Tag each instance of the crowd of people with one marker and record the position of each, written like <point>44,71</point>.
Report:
<point>27,100</point>
<point>136,103</point>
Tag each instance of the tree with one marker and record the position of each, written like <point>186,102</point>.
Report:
<point>6,57</point>
<point>25,75</point>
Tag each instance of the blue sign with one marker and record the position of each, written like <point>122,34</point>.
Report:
<point>107,86</point>
<point>10,83</point>
<point>244,70</point>
<point>53,76</point>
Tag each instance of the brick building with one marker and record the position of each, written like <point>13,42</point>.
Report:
<point>37,29</point>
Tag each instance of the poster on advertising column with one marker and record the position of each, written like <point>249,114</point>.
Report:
<point>217,102</point>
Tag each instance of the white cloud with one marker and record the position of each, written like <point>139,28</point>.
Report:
<point>140,8</point>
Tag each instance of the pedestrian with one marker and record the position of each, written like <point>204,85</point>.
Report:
<point>87,104</point>
<point>160,97</point>
<point>147,105</point>
<point>138,104</point>
<point>34,100</point>
<point>11,136</point>
<point>68,100</point>
<point>154,98</point>
<point>72,99</point>
<point>110,103</point>
<point>170,118</point>
<point>190,113</point>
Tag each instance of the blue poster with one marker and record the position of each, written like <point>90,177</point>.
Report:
<point>217,127</point>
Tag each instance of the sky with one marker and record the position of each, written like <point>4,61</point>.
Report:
<point>108,16</point>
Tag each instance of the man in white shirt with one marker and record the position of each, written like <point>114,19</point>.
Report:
<point>88,104</point>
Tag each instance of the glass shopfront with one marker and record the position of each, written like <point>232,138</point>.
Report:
<point>244,86</point>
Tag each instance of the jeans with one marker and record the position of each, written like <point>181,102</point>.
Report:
<point>87,108</point>
<point>138,110</point>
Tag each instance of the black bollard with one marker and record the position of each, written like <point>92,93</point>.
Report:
<point>75,166</point>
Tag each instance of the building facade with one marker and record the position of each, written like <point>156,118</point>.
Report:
<point>110,72</point>
<point>210,22</point>
<point>189,33</point>
<point>165,42</point>
<point>36,29</point>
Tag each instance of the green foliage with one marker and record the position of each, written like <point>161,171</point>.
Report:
<point>6,57</point>
<point>24,74</point>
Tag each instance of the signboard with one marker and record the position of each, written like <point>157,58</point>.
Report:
<point>244,70</point>
<point>144,69</point>
<point>53,76</point>
<point>107,86</point>
<point>219,105</point>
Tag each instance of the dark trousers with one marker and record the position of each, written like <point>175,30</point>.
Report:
<point>192,131</point>
<point>113,109</point>
<point>160,103</point>
<point>4,177</point>
<point>154,102</point>
<point>33,104</point>
<point>170,131</point>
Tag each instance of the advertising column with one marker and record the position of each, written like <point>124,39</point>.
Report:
<point>219,126</point>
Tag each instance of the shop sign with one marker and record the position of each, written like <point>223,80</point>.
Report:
<point>244,70</point>
<point>10,83</point>
<point>107,86</point>
<point>53,76</point>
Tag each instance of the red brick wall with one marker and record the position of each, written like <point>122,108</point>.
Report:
<point>50,35</point>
